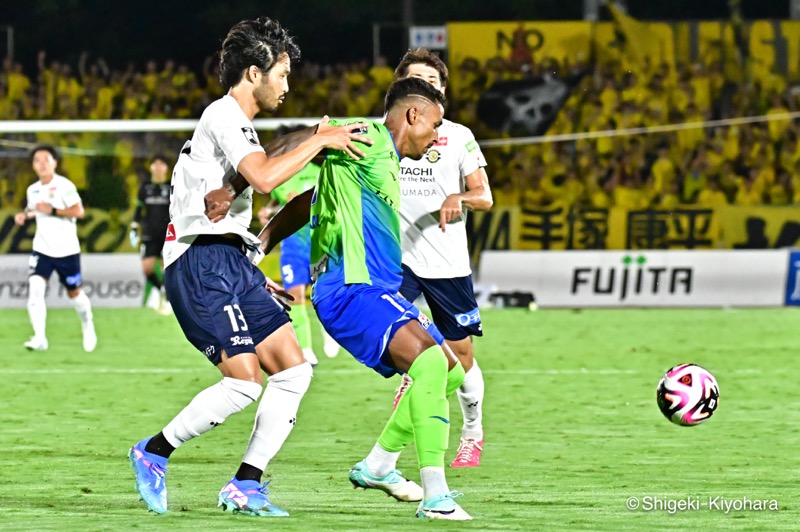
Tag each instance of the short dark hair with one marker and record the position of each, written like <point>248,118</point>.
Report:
<point>425,57</point>
<point>256,42</point>
<point>44,147</point>
<point>159,157</point>
<point>403,88</point>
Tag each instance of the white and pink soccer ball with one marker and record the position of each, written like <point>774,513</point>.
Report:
<point>687,395</point>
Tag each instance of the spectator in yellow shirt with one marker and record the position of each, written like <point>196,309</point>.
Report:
<point>746,193</point>
<point>712,196</point>
<point>663,170</point>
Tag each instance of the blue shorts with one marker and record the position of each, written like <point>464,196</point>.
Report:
<point>363,319</point>
<point>295,269</point>
<point>220,300</point>
<point>68,268</point>
<point>452,302</point>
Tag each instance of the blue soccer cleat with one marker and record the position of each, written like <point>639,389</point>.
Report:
<point>393,484</point>
<point>248,497</point>
<point>150,471</point>
<point>443,507</point>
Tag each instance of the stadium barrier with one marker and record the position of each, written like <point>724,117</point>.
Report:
<point>109,279</point>
<point>582,279</point>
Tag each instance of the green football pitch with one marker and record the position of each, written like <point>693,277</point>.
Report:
<point>573,433</point>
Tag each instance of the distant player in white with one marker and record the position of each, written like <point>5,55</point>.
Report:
<point>222,302</point>
<point>54,201</point>
<point>437,192</point>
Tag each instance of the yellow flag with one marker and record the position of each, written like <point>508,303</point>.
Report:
<point>640,42</point>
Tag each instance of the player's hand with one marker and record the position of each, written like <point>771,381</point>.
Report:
<point>20,218</point>
<point>133,235</point>
<point>451,210</point>
<point>264,214</point>
<point>218,203</point>
<point>283,297</point>
<point>343,137</point>
<point>44,207</point>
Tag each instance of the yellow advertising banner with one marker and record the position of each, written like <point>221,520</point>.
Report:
<point>512,40</point>
<point>560,227</point>
<point>759,227</point>
<point>571,41</point>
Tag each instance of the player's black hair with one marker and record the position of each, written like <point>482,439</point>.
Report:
<point>425,57</point>
<point>403,88</point>
<point>44,147</point>
<point>159,157</point>
<point>256,42</point>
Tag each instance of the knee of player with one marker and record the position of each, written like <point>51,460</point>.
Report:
<point>296,379</point>
<point>241,392</point>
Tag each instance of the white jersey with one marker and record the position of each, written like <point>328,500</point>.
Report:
<point>425,184</point>
<point>56,236</point>
<point>224,136</point>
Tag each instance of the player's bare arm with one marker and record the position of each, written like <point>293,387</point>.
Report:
<point>74,211</point>
<point>287,221</point>
<point>477,197</point>
<point>267,171</point>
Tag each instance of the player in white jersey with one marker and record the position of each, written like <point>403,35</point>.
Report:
<point>54,201</point>
<point>223,303</point>
<point>437,192</point>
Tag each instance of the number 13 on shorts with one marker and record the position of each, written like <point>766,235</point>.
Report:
<point>238,322</point>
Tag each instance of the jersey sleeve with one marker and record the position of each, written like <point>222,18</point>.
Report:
<point>470,155</point>
<point>233,133</point>
<point>29,205</point>
<point>70,194</point>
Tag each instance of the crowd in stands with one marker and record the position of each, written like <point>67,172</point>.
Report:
<point>751,164</point>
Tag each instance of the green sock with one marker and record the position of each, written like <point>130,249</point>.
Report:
<point>159,271</point>
<point>299,315</point>
<point>399,431</point>
<point>422,411</point>
<point>455,378</point>
<point>147,287</point>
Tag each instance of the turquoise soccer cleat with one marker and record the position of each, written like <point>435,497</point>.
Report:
<point>249,498</point>
<point>443,507</point>
<point>150,472</point>
<point>393,484</point>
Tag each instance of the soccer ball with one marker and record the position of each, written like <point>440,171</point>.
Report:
<point>687,395</point>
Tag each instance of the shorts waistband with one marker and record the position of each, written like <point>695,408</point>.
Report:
<point>228,239</point>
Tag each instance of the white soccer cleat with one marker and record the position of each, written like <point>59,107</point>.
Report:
<point>443,507</point>
<point>329,345</point>
<point>36,344</point>
<point>164,308</point>
<point>394,484</point>
<point>89,337</point>
<point>310,357</point>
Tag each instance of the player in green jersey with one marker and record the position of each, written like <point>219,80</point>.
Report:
<point>356,266</point>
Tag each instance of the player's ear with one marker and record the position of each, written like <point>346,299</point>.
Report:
<point>412,115</point>
<point>251,72</point>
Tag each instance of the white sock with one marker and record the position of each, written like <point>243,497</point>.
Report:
<point>470,395</point>
<point>434,483</point>
<point>381,462</point>
<point>37,310</point>
<point>277,414</point>
<point>84,307</point>
<point>209,408</point>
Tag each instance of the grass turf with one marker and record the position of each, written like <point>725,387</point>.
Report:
<point>572,427</point>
